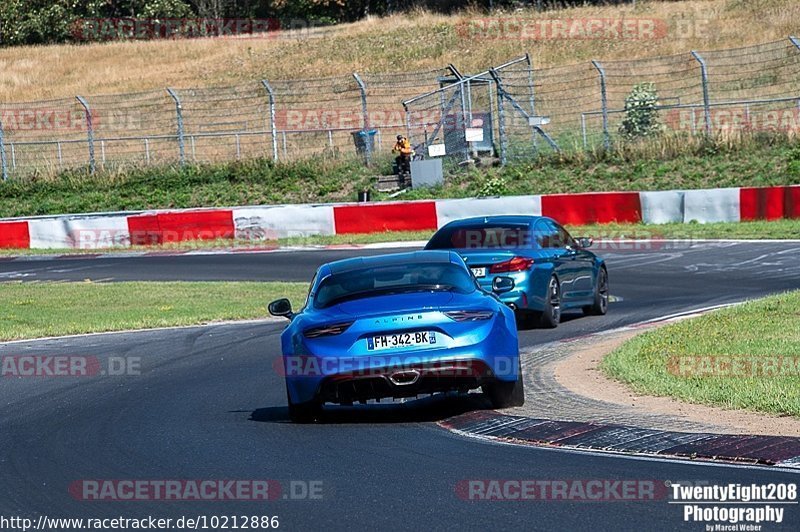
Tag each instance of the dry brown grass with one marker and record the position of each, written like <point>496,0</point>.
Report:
<point>417,42</point>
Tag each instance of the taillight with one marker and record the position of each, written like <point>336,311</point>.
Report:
<point>327,330</point>
<point>514,264</point>
<point>469,315</point>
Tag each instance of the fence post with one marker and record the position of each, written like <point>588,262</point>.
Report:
<point>89,131</point>
<point>467,110</point>
<point>531,92</point>
<point>466,96</point>
<point>272,126</point>
<point>706,102</point>
<point>501,116</point>
<point>367,148</point>
<point>583,131</point>
<point>179,117</point>
<point>408,120</point>
<point>603,103</point>
<point>531,98</point>
<point>3,164</point>
<point>796,42</point>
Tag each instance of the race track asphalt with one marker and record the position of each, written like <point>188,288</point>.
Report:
<point>209,405</point>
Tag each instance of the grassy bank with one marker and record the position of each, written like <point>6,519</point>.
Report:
<point>664,164</point>
<point>416,41</point>
<point>243,183</point>
<point>33,310</point>
<point>669,162</point>
<point>744,357</point>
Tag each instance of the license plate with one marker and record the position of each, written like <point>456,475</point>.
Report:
<point>478,272</point>
<point>389,341</point>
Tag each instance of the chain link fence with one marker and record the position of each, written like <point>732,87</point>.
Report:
<point>723,92</point>
<point>510,112</point>
<point>586,106</point>
<point>285,120</point>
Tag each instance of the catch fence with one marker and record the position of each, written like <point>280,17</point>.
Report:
<point>513,111</point>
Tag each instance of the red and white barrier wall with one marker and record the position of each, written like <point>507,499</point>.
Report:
<point>105,230</point>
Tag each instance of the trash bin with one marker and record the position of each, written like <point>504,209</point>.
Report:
<point>360,140</point>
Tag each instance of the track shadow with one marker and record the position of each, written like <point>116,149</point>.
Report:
<point>531,323</point>
<point>429,409</point>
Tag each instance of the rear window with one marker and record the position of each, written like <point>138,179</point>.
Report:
<point>483,236</point>
<point>395,279</point>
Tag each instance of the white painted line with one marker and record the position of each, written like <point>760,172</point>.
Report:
<point>404,244</point>
<point>701,240</point>
<point>690,313</point>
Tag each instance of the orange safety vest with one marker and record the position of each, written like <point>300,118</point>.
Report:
<point>403,146</point>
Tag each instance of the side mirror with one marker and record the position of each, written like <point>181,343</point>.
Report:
<point>502,284</point>
<point>281,307</point>
<point>584,242</point>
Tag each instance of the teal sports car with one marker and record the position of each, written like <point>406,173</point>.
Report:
<point>531,262</point>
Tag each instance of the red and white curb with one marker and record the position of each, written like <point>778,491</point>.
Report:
<point>629,441</point>
<point>268,223</point>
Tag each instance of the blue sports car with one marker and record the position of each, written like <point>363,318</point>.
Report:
<point>531,263</point>
<point>396,326</point>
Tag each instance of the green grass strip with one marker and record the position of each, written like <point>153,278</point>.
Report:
<point>34,310</point>
<point>742,357</point>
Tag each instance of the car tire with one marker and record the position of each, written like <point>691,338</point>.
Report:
<point>303,412</point>
<point>600,305</point>
<point>507,394</point>
<point>551,315</point>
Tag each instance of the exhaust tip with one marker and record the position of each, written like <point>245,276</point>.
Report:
<point>404,378</point>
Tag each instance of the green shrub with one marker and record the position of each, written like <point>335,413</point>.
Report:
<point>493,186</point>
<point>641,117</point>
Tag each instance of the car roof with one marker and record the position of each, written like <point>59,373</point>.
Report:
<point>502,218</point>
<point>391,259</point>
